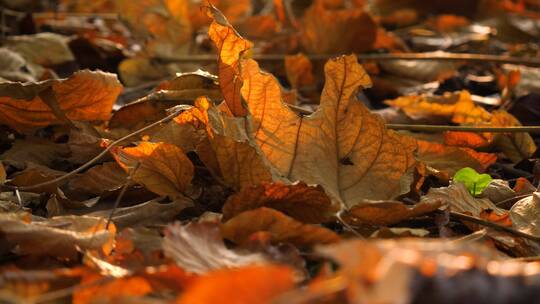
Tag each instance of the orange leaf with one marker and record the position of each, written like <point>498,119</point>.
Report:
<point>253,284</point>
<point>85,96</point>
<point>163,168</point>
<point>501,219</point>
<point>465,139</point>
<point>230,47</point>
<point>305,203</point>
<point>110,291</point>
<point>299,70</point>
<point>281,227</point>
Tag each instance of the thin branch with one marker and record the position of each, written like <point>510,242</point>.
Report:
<point>446,56</point>
<point>98,157</point>
<point>121,194</point>
<point>442,128</point>
<point>482,222</point>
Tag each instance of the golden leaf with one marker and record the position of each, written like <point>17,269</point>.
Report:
<point>248,284</point>
<point>85,96</point>
<point>342,146</point>
<point>384,213</point>
<point>230,50</point>
<point>162,168</point>
<point>339,31</point>
<point>308,204</point>
<point>281,228</point>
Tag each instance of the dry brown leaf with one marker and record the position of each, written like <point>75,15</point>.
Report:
<point>228,151</point>
<point>199,248</point>
<point>450,159</point>
<point>244,285</point>
<point>33,150</point>
<point>162,168</point>
<point>231,48</point>
<point>281,228</point>
<point>340,31</point>
<point>165,25</point>
<point>99,179</point>
<point>456,107</point>
<point>31,48</point>
<point>308,204</point>
<point>385,213</point>
<point>37,175</point>
<point>58,236</point>
<point>299,70</point>
<point>516,146</point>
<point>342,146</point>
<point>85,96</point>
<point>525,214</point>
<point>151,212</point>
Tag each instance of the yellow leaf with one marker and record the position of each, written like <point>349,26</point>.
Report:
<point>281,228</point>
<point>162,168</point>
<point>85,96</point>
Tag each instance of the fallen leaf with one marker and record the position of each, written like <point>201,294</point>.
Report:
<point>385,213</point>
<point>164,25</point>
<point>14,67</point>
<point>244,285</point>
<point>58,236</point>
<point>525,214</point>
<point>458,107</point>
<point>281,227</point>
<point>336,31</point>
<point>85,96</point>
<point>341,146</point>
<point>30,46</point>
<point>148,213</point>
<point>516,146</point>
<point>450,159</point>
<point>465,139</point>
<point>199,248</point>
<point>228,151</point>
<point>259,27</point>
<point>33,150</point>
<point>299,70</point>
<point>162,168</point>
<point>99,179</point>
<point>502,219</point>
<point>308,204</point>
<point>110,291</point>
<point>231,48</point>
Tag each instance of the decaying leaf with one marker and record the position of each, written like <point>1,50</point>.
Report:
<point>341,146</point>
<point>516,146</point>
<point>199,248</point>
<point>244,285</point>
<point>230,49</point>
<point>308,204</point>
<point>162,168</point>
<point>281,228</point>
<point>85,96</point>
<point>384,213</point>
<point>58,236</point>
<point>99,179</point>
<point>30,46</point>
<point>525,214</point>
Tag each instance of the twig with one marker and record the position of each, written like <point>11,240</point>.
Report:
<point>98,157</point>
<point>512,199</point>
<point>121,194</point>
<point>482,222</point>
<point>382,57</point>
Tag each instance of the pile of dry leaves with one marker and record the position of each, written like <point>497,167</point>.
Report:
<point>224,183</point>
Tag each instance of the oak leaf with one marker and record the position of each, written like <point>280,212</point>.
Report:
<point>199,248</point>
<point>85,96</point>
<point>281,228</point>
<point>162,168</point>
<point>308,204</point>
<point>243,285</point>
<point>342,146</point>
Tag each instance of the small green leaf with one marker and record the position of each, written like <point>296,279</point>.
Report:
<point>475,182</point>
